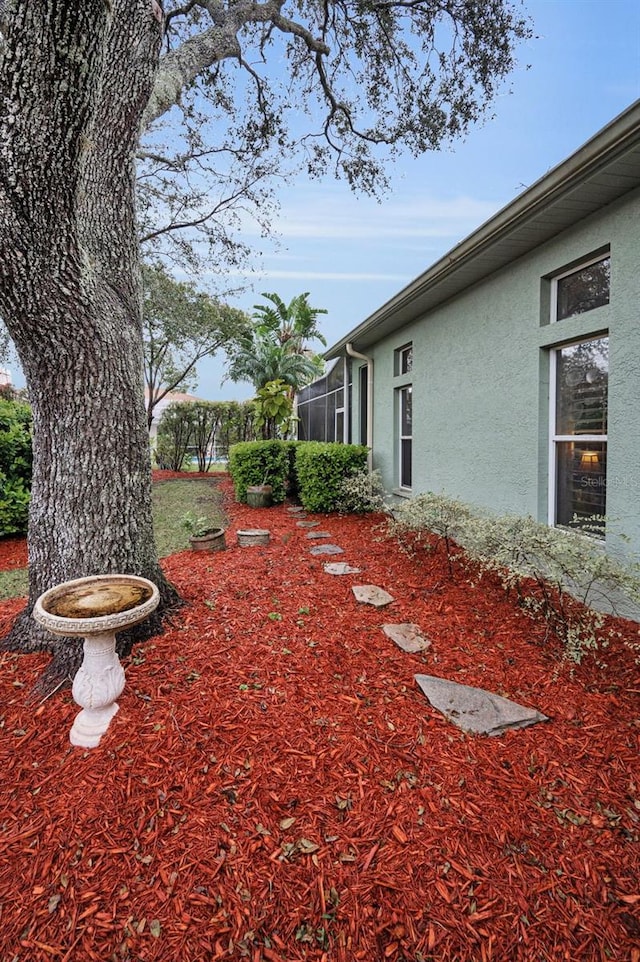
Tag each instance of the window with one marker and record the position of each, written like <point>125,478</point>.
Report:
<point>403,360</point>
<point>339,425</point>
<point>404,458</point>
<point>364,407</point>
<point>579,383</point>
<point>581,289</point>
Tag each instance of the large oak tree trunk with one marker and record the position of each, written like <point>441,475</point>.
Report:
<point>79,77</point>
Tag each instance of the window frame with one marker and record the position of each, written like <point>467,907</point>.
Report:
<point>580,265</point>
<point>556,439</point>
<point>400,355</point>
<point>404,438</point>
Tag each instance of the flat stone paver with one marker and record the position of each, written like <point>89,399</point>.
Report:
<point>474,709</point>
<point>340,568</point>
<point>407,636</point>
<point>372,595</point>
<point>327,549</point>
<point>307,524</point>
<point>299,510</point>
<point>318,534</point>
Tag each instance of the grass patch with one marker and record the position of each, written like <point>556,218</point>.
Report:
<point>14,583</point>
<point>171,501</point>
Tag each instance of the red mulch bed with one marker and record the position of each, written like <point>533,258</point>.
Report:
<point>13,553</point>
<point>276,787</point>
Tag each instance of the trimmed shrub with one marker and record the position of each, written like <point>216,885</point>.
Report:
<point>321,469</point>
<point>259,462</point>
<point>15,466</point>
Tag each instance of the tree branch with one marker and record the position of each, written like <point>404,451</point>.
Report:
<point>181,67</point>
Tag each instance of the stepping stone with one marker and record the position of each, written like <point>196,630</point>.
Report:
<point>307,524</point>
<point>372,595</point>
<point>474,709</point>
<point>327,549</point>
<point>318,534</point>
<point>340,568</point>
<point>407,636</point>
<point>297,510</point>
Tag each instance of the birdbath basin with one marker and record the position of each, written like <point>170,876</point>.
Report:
<point>96,608</point>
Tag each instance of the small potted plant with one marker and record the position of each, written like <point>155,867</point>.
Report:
<point>259,495</point>
<point>203,536</point>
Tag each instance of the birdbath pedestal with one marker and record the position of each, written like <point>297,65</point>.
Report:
<point>96,608</point>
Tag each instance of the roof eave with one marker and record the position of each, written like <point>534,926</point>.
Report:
<point>613,140</point>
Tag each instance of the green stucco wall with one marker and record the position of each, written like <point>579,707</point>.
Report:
<point>480,379</point>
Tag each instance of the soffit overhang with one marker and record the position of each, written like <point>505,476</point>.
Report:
<point>599,173</point>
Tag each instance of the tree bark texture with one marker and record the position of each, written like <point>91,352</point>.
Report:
<point>76,79</point>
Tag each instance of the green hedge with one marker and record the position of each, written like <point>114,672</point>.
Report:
<point>15,466</point>
<point>260,462</point>
<point>321,468</point>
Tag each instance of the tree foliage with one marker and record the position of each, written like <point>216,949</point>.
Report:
<point>204,428</point>
<point>181,326</point>
<point>274,409</point>
<point>260,359</point>
<point>293,325</point>
<point>338,87</point>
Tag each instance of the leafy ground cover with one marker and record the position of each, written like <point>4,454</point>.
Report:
<point>275,786</point>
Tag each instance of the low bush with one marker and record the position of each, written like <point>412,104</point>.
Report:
<point>436,514</point>
<point>259,462</point>
<point>321,469</point>
<point>361,493</point>
<point>557,574</point>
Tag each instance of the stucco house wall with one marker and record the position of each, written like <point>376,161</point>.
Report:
<point>483,342</point>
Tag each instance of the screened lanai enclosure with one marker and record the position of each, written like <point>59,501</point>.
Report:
<point>323,406</point>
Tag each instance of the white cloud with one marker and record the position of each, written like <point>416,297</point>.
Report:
<point>323,215</point>
<point>319,275</point>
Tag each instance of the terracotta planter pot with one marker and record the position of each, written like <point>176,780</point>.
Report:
<point>259,496</point>
<point>213,540</point>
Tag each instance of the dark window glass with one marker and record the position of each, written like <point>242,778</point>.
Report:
<point>582,379</point>
<point>405,463</point>
<point>584,290</point>
<point>581,489</point>
<point>406,398</point>
<point>331,418</point>
<point>405,411</point>
<point>364,381</point>
<point>403,360</point>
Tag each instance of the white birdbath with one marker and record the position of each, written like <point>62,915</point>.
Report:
<point>96,608</point>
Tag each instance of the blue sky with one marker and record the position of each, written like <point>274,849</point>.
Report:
<point>352,253</point>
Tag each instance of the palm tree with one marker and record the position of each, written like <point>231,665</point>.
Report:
<point>293,324</point>
<point>261,358</point>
